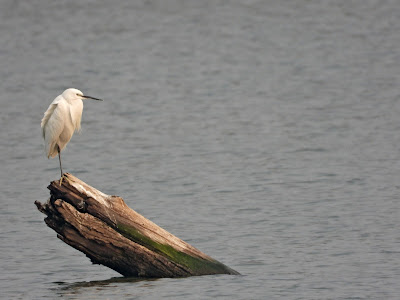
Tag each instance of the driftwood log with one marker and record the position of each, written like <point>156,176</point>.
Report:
<point>112,234</point>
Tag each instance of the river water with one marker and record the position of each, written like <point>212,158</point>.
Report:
<point>264,133</point>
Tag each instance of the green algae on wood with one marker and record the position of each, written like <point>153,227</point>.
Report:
<point>198,265</point>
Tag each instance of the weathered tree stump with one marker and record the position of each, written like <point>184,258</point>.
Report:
<point>112,234</point>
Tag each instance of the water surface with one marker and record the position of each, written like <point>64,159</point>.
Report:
<point>264,133</point>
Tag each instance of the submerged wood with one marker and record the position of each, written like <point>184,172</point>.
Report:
<point>112,234</point>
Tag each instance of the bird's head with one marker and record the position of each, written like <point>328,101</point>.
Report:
<point>74,94</point>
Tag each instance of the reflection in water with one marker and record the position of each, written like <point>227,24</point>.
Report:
<point>76,288</point>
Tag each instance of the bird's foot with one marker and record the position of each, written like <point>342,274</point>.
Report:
<point>61,179</point>
<point>64,178</point>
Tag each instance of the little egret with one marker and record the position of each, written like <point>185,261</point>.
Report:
<point>60,120</point>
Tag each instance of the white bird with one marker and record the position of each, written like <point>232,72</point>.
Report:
<point>61,119</point>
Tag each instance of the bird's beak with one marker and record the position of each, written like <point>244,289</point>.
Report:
<point>89,97</point>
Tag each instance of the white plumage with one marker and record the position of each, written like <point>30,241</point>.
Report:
<point>61,120</point>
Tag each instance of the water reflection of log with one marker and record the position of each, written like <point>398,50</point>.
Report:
<point>112,234</point>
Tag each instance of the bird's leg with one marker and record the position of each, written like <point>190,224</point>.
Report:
<point>59,158</point>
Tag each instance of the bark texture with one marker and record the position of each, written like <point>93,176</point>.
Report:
<point>112,234</point>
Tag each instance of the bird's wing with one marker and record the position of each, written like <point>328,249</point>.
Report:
<point>47,115</point>
<point>52,125</point>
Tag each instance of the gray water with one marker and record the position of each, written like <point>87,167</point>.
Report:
<point>264,133</point>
